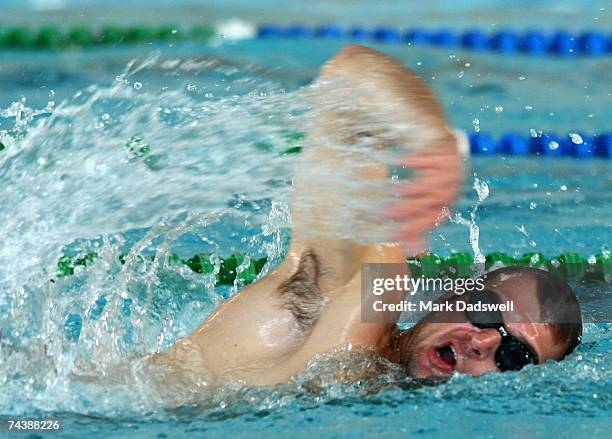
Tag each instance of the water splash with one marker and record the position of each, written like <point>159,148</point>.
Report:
<point>124,169</point>
<point>482,190</point>
<point>133,173</point>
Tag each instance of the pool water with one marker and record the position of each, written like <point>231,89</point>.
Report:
<point>76,179</point>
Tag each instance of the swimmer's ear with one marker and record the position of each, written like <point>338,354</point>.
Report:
<point>425,202</point>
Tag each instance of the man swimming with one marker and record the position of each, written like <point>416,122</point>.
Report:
<point>311,303</point>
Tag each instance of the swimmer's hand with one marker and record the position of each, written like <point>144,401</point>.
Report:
<point>425,201</point>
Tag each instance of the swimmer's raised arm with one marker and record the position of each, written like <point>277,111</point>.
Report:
<point>367,97</point>
<point>311,302</point>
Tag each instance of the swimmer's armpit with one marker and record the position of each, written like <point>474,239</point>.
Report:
<point>301,294</point>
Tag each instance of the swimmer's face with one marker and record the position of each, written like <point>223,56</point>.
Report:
<point>442,344</point>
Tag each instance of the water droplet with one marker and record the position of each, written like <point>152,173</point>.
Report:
<point>460,75</point>
<point>105,117</point>
<point>528,107</point>
<point>476,123</point>
<point>174,31</point>
<point>553,145</point>
<point>576,138</point>
<point>533,205</point>
<point>192,87</point>
<point>138,85</point>
<point>563,187</point>
<point>468,65</point>
<point>481,188</point>
<point>521,228</point>
<point>535,185</point>
<point>521,78</point>
<point>419,63</point>
<point>499,109</point>
<point>592,260</point>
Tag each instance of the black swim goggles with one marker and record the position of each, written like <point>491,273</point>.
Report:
<point>512,354</point>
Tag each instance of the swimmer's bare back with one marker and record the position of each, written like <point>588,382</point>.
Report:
<point>310,304</point>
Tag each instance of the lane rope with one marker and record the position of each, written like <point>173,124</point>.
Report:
<point>570,265</point>
<point>506,41</point>
<point>576,145</point>
<point>561,43</point>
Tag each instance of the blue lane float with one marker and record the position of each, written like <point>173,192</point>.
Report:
<point>533,42</point>
<point>577,145</point>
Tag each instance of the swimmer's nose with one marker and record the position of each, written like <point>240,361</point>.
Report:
<point>484,343</point>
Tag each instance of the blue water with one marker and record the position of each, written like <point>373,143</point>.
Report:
<point>71,186</point>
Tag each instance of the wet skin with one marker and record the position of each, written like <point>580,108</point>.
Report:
<point>255,338</point>
<point>440,349</point>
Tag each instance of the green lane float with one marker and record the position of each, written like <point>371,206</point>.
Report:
<point>200,263</point>
<point>56,37</point>
<point>545,145</point>
<point>572,266</point>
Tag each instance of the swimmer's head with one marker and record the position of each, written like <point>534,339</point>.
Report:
<point>545,324</point>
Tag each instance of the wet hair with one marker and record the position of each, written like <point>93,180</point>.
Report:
<point>558,303</point>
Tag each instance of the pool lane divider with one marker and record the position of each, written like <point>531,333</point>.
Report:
<point>57,37</point>
<point>559,43</point>
<point>578,146</point>
<point>572,266</point>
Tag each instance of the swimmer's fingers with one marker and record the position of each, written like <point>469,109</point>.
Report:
<point>408,210</point>
<point>415,244</point>
<point>435,169</point>
<point>424,201</point>
<point>423,188</point>
<point>413,231</point>
<point>432,160</point>
<point>438,181</point>
<point>413,234</point>
<point>418,199</point>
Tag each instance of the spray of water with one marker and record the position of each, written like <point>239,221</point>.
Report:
<point>482,190</point>
<point>124,169</point>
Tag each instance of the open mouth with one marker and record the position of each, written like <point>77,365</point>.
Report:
<point>443,358</point>
<point>448,355</point>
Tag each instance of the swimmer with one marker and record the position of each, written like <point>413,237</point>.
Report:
<point>311,304</point>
